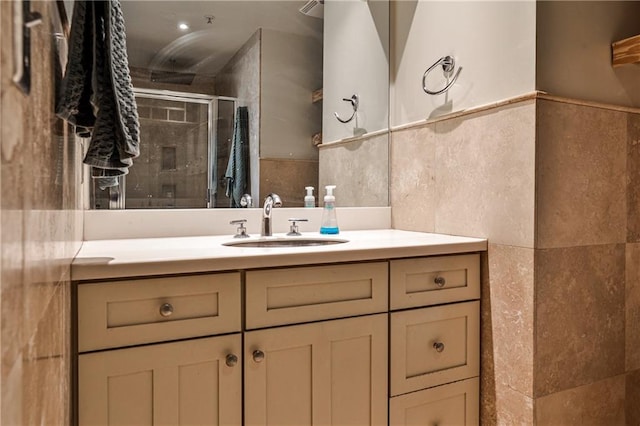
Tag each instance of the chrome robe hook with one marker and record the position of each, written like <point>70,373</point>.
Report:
<point>448,64</point>
<point>354,104</point>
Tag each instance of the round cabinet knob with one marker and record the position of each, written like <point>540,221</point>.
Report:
<point>166,310</point>
<point>438,346</point>
<point>440,281</point>
<point>258,356</point>
<point>231,360</point>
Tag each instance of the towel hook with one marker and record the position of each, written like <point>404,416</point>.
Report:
<point>354,104</point>
<point>448,64</point>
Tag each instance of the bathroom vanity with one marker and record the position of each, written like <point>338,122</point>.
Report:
<point>383,329</point>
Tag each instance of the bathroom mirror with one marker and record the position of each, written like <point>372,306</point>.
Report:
<point>292,66</point>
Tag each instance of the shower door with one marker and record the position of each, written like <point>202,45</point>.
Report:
<point>183,138</point>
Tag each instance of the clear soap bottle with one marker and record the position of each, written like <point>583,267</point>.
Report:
<point>329,224</point>
<point>309,199</point>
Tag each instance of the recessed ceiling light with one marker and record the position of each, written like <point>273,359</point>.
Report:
<point>183,26</point>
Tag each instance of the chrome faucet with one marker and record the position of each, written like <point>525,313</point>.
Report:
<point>272,200</point>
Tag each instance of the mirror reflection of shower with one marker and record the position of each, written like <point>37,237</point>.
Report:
<point>185,151</point>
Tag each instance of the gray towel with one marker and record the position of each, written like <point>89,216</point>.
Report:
<point>97,94</point>
<point>236,174</point>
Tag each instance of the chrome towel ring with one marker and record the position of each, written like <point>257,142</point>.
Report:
<point>448,64</point>
<point>354,104</point>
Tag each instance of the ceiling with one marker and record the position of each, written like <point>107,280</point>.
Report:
<point>155,42</point>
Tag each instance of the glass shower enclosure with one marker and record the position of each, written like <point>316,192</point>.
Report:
<point>185,140</point>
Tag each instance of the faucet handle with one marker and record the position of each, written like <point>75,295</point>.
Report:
<point>293,231</point>
<point>246,201</point>
<point>241,232</point>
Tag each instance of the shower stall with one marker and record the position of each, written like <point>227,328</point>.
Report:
<point>185,140</point>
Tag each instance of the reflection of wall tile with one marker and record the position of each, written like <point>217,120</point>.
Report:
<point>579,316</point>
<point>632,307</point>
<point>195,113</point>
<point>412,184</point>
<point>144,111</point>
<point>355,168</point>
<point>596,404</point>
<point>176,115</point>
<point>158,114</point>
<point>287,178</point>
<point>580,175</point>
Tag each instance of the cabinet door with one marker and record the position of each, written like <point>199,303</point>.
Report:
<point>193,382</point>
<point>330,372</point>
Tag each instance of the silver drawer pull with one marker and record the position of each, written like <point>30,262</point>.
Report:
<point>258,356</point>
<point>166,309</point>
<point>440,281</point>
<point>231,360</point>
<point>438,346</point>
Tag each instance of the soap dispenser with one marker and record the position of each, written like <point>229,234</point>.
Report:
<point>329,224</point>
<point>309,199</point>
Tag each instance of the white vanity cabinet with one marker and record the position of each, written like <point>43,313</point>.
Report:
<point>435,343</point>
<point>389,341</point>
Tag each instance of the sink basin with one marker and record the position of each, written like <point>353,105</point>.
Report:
<point>285,242</point>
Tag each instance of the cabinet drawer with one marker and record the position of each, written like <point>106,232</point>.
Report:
<point>294,295</point>
<point>453,404</point>
<point>434,280</point>
<point>124,313</point>
<point>433,346</point>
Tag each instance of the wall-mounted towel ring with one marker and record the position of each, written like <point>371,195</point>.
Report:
<point>448,64</point>
<point>354,103</point>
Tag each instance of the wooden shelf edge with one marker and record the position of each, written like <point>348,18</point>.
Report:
<point>626,51</point>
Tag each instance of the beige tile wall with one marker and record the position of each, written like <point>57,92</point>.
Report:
<point>554,185</point>
<point>579,302</point>
<point>586,266</point>
<point>41,224</point>
<point>471,175</point>
<point>595,404</point>
<point>632,393</point>
<point>632,308</point>
<point>633,178</point>
<point>355,168</point>
<point>580,175</point>
<point>507,335</point>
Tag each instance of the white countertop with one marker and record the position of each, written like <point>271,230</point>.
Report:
<point>104,259</point>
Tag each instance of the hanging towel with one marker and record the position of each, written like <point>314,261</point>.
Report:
<point>236,174</point>
<point>97,94</point>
